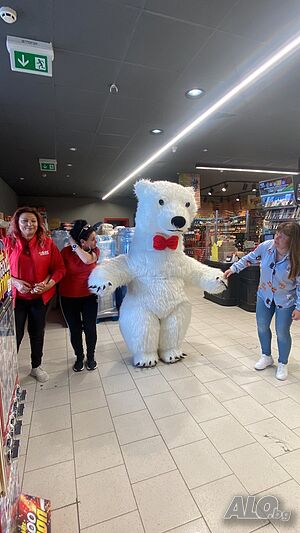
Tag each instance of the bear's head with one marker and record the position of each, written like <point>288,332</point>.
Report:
<point>164,207</point>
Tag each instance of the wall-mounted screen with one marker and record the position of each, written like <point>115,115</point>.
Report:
<point>278,192</point>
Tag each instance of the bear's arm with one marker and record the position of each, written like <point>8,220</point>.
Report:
<point>207,278</point>
<point>110,274</point>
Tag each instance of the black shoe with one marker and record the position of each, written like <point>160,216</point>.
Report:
<point>91,364</point>
<point>78,366</point>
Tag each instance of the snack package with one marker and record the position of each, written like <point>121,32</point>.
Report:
<point>34,515</point>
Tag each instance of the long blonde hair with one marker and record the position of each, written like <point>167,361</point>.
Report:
<point>292,231</point>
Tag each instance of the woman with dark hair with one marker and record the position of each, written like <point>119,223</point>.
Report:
<point>79,306</point>
<point>36,266</point>
<point>278,292</point>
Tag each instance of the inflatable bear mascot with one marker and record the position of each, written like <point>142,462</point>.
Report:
<point>156,312</point>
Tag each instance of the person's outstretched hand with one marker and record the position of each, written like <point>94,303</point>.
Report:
<point>228,273</point>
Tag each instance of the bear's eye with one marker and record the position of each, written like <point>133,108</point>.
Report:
<point>161,202</point>
<point>187,204</point>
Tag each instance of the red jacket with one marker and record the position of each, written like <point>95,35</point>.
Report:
<point>46,257</point>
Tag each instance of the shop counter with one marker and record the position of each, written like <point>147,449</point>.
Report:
<point>241,289</point>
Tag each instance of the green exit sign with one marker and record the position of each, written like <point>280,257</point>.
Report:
<point>33,62</point>
<point>30,57</point>
<point>48,165</point>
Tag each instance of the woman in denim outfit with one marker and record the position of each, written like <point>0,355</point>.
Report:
<point>278,292</point>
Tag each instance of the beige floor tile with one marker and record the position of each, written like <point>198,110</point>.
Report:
<point>125,402</point>
<point>254,467</point>
<point>57,379</point>
<point>50,420</point>
<point>205,407</point>
<point>226,433</point>
<point>196,526</point>
<point>56,483</point>
<point>65,520</point>
<point>288,495</point>
<point>223,360</point>
<point>138,373</point>
<point>84,381</point>
<point>152,385</point>
<point>264,392</point>
<point>45,399</point>
<point>242,375</point>
<point>147,458</point>
<point>222,340</point>
<point>225,389</point>
<point>54,366</point>
<point>277,382</point>
<point>291,463</point>
<point>91,423</point>
<point>175,371</point>
<point>30,391</point>
<point>214,499</point>
<point>169,496</point>
<point>128,523</point>
<point>27,415</point>
<point>21,468</point>
<point>200,463</point>
<point>135,426</point>
<point>206,373</point>
<point>104,495</point>
<point>195,359</point>
<point>287,411</point>
<point>188,387</point>
<point>164,404</point>
<point>113,368</point>
<point>97,453</point>
<point>236,350</point>
<point>178,430</point>
<point>247,410</point>
<point>120,383</point>
<point>47,450</point>
<point>107,356</point>
<point>206,348</point>
<point>274,436</point>
<point>293,391</point>
<point>87,400</point>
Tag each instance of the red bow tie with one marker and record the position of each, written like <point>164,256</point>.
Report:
<point>161,243</point>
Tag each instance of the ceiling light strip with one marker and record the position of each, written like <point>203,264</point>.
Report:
<point>260,171</point>
<point>273,60</point>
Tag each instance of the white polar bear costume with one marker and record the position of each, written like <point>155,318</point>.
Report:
<point>156,312</point>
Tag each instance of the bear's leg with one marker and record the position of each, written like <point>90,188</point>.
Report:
<point>140,329</point>
<point>172,332</point>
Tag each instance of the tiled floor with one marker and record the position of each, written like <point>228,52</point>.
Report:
<point>127,450</point>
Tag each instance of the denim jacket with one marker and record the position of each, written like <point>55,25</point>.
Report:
<point>274,283</point>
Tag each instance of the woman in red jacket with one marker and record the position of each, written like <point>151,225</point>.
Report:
<point>36,266</point>
<point>79,306</point>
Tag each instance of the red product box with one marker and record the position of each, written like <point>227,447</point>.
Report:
<point>34,515</point>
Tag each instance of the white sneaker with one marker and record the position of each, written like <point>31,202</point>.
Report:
<point>39,374</point>
<point>263,362</point>
<point>282,371</point>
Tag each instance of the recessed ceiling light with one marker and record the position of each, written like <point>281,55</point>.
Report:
<point>237,199</point>
<point>279,55</point>
<point>205,149</point>
<point>73,149</point>
<point>156,131</point>
<point>196,92</point>
<point>210,192</point>
<point>260,171</point>
<point>225,187</point>
<point>44,175</point>
<point>253,187</point>
<point>68,176</point>
<point>21,179</point>
<point>69,165</point>
<point>74,193</point>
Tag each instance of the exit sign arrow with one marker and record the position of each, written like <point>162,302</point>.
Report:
<point>22,61</point>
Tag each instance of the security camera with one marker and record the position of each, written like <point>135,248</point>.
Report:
<point>8,14</point>
<point>113,88</point>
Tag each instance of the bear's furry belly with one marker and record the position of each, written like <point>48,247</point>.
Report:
<point>159,295</point>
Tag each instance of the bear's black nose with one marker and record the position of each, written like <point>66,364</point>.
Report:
<point>178,222</point>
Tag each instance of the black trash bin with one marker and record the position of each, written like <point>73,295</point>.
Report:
<point>248,284</point>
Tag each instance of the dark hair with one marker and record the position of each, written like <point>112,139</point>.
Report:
<point>14,230</point>
<point>81,230</point>
<point>292,230</point>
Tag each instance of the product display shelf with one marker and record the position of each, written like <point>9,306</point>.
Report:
<point>11,405</point>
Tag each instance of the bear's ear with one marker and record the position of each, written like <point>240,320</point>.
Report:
<point>141,187</point>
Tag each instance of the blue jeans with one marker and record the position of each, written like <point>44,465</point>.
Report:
<point>283,321</point>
